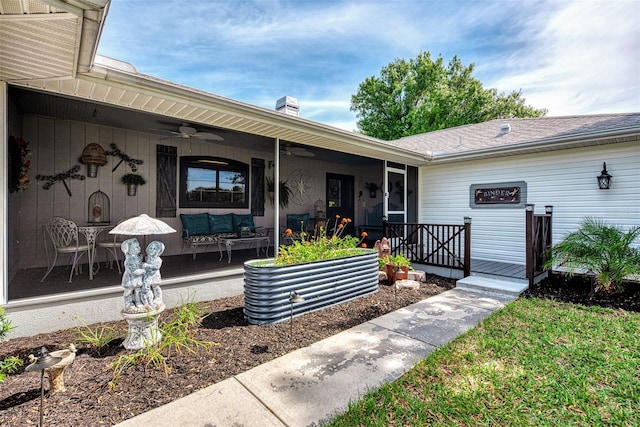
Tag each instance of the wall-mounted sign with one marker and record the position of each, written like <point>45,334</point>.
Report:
<point>503,194</point>
<point>497,195</point>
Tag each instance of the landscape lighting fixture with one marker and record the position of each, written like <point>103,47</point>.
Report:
<point>44,361</point>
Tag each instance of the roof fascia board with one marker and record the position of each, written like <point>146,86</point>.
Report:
<point>626,134</point>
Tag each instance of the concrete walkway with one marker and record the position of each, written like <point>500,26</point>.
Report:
<point>311,385</point>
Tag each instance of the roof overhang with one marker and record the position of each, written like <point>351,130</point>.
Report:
<point>45,39</point>
<point>118,84</point>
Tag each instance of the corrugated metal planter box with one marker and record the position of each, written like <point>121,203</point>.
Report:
<point>267,287</point>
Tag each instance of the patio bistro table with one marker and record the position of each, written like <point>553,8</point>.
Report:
<point>259,241</point>
<point>91,233</point>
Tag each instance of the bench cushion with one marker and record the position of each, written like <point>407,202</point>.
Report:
<point>245,220</point>
<point>195,224</point>
<point>221,223</point>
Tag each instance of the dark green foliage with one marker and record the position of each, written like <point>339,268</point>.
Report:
<point>422,95</point>
<point>607,252</point>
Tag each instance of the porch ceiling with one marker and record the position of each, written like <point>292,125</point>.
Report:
<point>49,46</point>
<point>41,41</point>
<point>167,105</point>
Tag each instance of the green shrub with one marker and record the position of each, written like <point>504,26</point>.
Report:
<point>9,365</point>
<point>607,252</point>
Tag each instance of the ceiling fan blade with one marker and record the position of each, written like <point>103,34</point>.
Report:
<point>187,130</point>
<point>301,152</point>
<point>209,136</point>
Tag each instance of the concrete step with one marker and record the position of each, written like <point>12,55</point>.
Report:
<point>494,276</point>
<point>495,285</point>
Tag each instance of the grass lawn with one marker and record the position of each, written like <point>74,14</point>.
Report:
<point>534,363</point>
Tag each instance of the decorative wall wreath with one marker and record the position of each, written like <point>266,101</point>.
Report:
<point>19,164</point>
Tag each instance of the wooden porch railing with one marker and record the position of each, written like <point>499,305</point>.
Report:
<point>432,244</point>
<point>538,240</point>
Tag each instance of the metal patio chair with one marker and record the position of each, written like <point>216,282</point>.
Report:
<point>63,234</point>
<point>112,247</point>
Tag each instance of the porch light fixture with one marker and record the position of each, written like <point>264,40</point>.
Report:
<point>44,361</point>
<point>604,179</point>
<point>93,156</point>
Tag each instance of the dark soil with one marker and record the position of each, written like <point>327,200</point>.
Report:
<point>90,401</point>
<point>578,290</point>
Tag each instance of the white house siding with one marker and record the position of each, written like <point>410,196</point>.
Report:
<point>565,179</point>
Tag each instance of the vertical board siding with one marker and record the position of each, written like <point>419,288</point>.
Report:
<point>565,179</point>
<point>57,146</point>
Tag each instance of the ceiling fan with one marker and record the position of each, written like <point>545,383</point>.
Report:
<point>188,132</point>
<point>290,150</point>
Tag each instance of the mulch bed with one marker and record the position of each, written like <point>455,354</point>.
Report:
<point>577,290</point>
<point>89,401</point>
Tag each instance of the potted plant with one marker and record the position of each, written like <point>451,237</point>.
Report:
<point>285,192</point>
<point>325,269</point>
<point>373,188</point>
<point>132,180</point>
<point>397,268</point>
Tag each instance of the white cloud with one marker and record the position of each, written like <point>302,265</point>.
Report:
<point>585,59</point>
<point>572,57</point>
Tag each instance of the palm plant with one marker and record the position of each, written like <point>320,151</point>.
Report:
<point>607,252</point>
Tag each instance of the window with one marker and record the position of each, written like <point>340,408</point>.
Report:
<point>213,182</point>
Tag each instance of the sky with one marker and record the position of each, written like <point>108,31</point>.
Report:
<point>570,57</point>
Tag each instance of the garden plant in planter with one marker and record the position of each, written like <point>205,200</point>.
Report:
<point>132,180</point>
<point>325,270</point>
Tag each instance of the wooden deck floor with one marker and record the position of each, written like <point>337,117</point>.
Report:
<point>496,268</point>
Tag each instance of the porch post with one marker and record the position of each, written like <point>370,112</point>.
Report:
<point>529,242</point>
<point>4,206</point>
<point>276,198</point>
<point>467,246</point>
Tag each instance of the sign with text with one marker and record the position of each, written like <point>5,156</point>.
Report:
<point>498,195</point>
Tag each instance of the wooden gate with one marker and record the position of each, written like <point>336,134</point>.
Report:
<point>538,240</point>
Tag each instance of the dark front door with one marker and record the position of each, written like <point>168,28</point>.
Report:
<point>340,200</point>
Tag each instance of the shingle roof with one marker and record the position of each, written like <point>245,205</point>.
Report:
<point>521,132</point>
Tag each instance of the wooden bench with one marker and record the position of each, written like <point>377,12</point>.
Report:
<point>204,229</point>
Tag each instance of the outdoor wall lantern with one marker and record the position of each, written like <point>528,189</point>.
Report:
<point>93,156</point>
<point>604,179</point>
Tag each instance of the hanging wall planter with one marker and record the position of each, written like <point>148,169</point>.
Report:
<point>132,180</point>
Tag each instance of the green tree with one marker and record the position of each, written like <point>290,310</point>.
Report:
<point>422,95</point>
<point>608,252</point>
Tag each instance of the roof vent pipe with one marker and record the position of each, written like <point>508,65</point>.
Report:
<point>288,105</point>
<point>505,128</point>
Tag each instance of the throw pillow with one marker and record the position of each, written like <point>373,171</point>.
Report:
<point>221,223</point>
<point>195,224</point>
<point>246,220</point>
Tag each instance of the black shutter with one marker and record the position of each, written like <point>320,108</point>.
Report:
<point>166,183</point>
<point>257,187</point>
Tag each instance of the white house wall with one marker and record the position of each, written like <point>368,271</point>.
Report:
<point>565,179</point>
